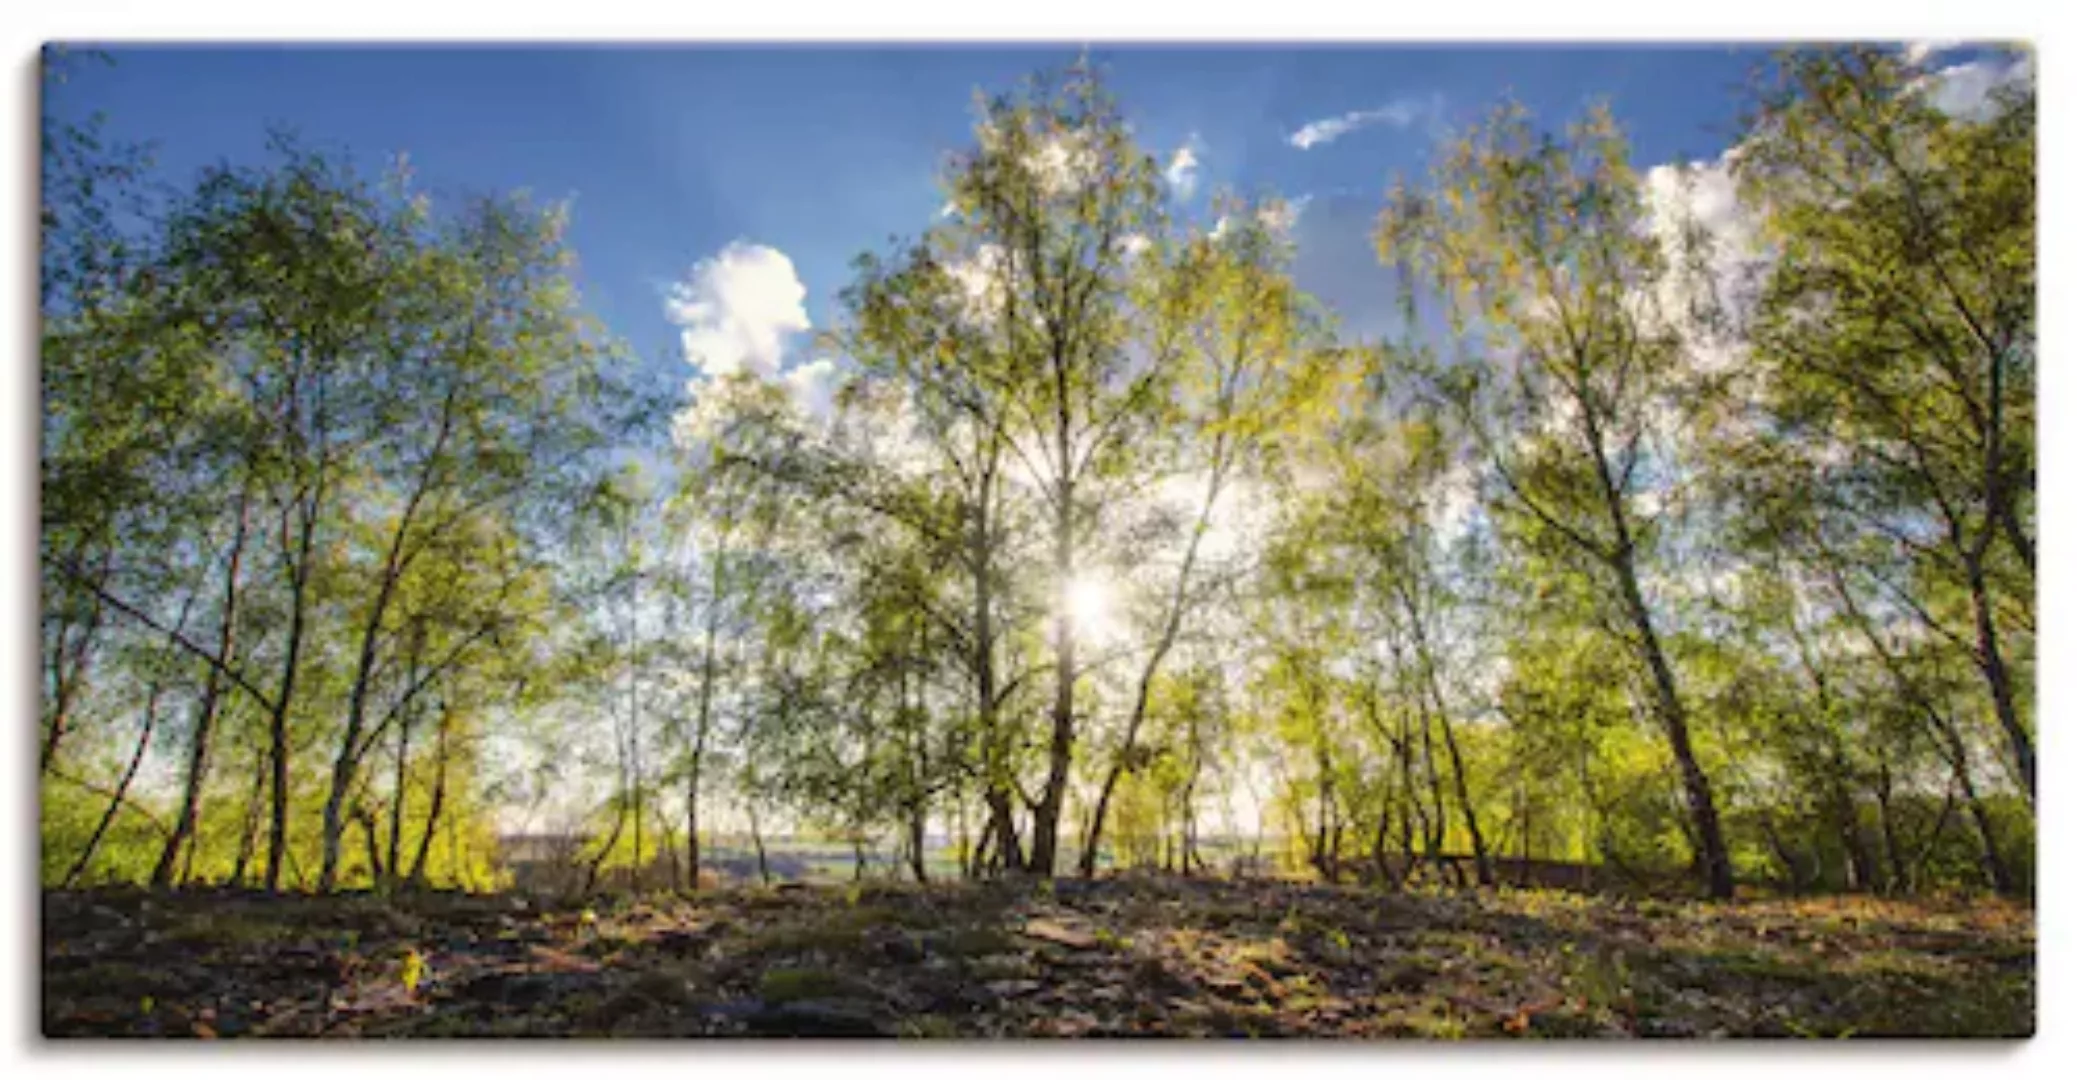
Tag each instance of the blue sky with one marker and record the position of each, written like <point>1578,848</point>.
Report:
<point>673,153</point>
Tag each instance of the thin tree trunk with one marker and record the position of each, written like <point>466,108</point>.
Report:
<point>396,560</point>
<point>764,868</point>
<point>438,801</point>
<point>1172,624</point>
<point>598,861</point>
<point>1991,658</point>
<point>122,789</point>
<point>1891,847</point>
<point>1009,853</point>
<point>704,716</point>
<point>634,719</point>
<point>1946,739</point>
<point>65,685</point>
<point>248,833</point>
<point>1438,822</point>
<point>188,819</point>
<point>291,664</point>
<point>1431,683</point>
<point>400,785</point>
<point>378,871</point>
<point>1001,825</point>
<point>1993,857</point>
<point>1482,860</point>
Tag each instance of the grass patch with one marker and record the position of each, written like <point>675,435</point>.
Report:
<point>781,985</point>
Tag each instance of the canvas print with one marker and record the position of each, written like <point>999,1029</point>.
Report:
<point>1038,541</point>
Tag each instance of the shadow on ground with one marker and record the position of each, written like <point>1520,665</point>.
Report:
<point>1160,957</point>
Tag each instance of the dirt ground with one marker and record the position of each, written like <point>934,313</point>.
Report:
<point>1152,956</point>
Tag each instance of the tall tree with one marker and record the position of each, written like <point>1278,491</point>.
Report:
<point>1542,248</point>
<point>1892,350</point>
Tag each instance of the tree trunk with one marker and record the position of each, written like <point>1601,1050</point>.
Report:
<point>598,861</point>
<point>1045,824</point>
<point>1860,860</point>
<point>1378,853</point>
<point>377,869</point>
<point>1431,683</point>
<point>764,868</point>
<point>401,784</point>
<point>121,794</point>
<point>437,803</point>
<point>634,722</point>
<point>1958,759</point>
<point>1714,858</point>
<point>1438,821</point>
<point>1990,657</point>
<point>248,833</point>
<point>187,820</point>
<point>347,762</point>
<point>977,859</point>
<point>1483,861</point>
<point>1001,825</point>
<point>704,717</point>
<point>1946,739</point>
<point>68,675</point>
<point>1172,624</point>
<point>918,822</point>
<point>400,781</point>
<point>692,836</point>
<point>1892,848</point>
<point>277,726</point>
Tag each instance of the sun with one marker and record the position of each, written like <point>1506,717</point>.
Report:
<point>1089,609</point>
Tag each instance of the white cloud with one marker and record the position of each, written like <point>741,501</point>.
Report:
<point>1403,113</point>
<point>1183,168</point>
<point>1918,52</point>
<point>1702,197</point>
<point>813,385</point>
<point>737,310</point>
<point>1964,90</point>
<point>1277,215</point>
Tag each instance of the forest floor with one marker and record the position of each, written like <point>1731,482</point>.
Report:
<point>1127,956</point>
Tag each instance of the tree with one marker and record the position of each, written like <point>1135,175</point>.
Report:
<point>1541,249</point>
<point>1893,344</point>
<point>1243,342</point>
<point>1049,201</point>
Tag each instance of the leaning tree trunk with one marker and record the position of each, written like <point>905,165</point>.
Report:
<point>120,797</point>
<point>1714,856</point>
<point>1991,658</point>
<point>1178,606</point>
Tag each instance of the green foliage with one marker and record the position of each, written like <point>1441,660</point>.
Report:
<point>1108,533</point>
